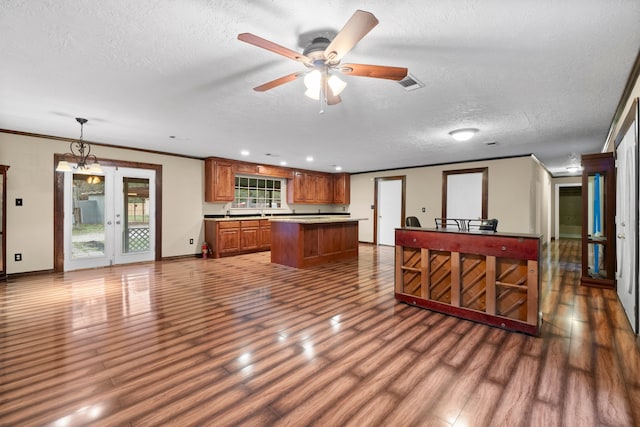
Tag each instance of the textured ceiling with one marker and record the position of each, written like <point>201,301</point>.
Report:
<point>534,76</point>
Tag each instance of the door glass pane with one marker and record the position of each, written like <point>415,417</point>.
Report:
<point>135,224</point>
<point>87,235</point>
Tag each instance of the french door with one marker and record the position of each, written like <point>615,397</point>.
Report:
<point>109,218</point>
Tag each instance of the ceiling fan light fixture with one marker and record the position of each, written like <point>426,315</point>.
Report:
<point>312,82</point>
<point>336,84</point>
<point>463,134</point>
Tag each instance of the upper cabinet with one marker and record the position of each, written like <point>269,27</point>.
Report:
<point>311,187</point>
<point>219,180</point>
<point>307,187</point>
<point>341,189</point>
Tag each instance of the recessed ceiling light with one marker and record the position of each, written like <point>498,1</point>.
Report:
<point>463,134</point>
<point>283,163</point>
<point>309,159</point>
<point>338,168</point>
<point>244,152</point>
<point>573,169</point>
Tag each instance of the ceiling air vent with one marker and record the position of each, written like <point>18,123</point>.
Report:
<point>410,83</point>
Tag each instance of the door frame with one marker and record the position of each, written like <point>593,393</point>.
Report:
<point>402,178</point>
<point>556,207</point>
<point>58,205</point>
<point>485,187</point>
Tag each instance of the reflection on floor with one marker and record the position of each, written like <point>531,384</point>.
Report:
<point>241,341</point>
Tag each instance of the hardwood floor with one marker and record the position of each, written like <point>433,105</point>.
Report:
<point>241,341</point>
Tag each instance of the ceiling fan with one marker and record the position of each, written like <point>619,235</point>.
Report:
<point>323,56</point>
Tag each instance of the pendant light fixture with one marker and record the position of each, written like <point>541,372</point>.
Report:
<point>85,162</point>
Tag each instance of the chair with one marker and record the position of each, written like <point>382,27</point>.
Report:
<point>412,221</point>
<point>489,225</point>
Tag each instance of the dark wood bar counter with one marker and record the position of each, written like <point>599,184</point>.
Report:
<point>304,242</point>
<point>488,277</point>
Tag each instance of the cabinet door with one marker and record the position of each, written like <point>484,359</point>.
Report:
<point>324,188</point>
<point>265,234</point>
<point>219,181</point>
<point>297,188</point>
<point>249,238</point>
<point>228,240</point>
<point>341,189</point>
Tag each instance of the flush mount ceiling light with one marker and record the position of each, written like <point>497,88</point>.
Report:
<point>463,134</point>
<point>85,162</point>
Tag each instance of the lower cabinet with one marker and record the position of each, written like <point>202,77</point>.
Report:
<point>227,238</point>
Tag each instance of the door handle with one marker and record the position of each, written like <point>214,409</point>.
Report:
<point>117,222</point>
<point>108,222</point>
<point>621,236</point>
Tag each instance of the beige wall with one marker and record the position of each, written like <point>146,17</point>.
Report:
<point>513,197</point>
<point>30,177</point>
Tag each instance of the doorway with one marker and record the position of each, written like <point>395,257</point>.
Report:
<point>388,209</point>
<point>117,215</point>
<point>568,211</point>
<point>109,218</point>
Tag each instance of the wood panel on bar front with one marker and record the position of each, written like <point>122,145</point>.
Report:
<point>300,244</point>
<point>486,277</point>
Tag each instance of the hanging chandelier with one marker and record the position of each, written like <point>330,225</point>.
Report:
<point>85,162</point>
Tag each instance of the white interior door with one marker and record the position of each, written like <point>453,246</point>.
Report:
<point>464,195</point>
<point>389,207</point>
<point>109,218</point>
<point>626,227</point>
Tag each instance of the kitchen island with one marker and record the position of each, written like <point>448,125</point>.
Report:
<point>485,276</point>
<point>308,241</point>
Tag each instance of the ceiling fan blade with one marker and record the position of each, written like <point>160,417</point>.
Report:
<point>273,47</point>
<point>277,82</point>
<point>354,30</point>
<point>375,71</point>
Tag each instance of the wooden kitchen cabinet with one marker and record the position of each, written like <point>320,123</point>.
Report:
<point>341,189</point>
<point>310,187</point>
<point>227,238</point>
<point>265,234</point>
<point>249,235</point>
<point>231,237</point>
<point>219,180</point>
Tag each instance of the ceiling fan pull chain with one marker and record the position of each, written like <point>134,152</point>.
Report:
<point>323,94</point>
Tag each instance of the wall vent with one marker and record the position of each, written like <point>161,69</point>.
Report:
<point>410,83</point>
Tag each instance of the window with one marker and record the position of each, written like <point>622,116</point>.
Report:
<point>257,193</point>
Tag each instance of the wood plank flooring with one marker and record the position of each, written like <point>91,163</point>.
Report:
<point>241,341</point>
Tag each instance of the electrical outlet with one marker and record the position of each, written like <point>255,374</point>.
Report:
<point>424,209</point>
<point>18,202</point>
<point>17,257</point>
<point>191,241</point>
